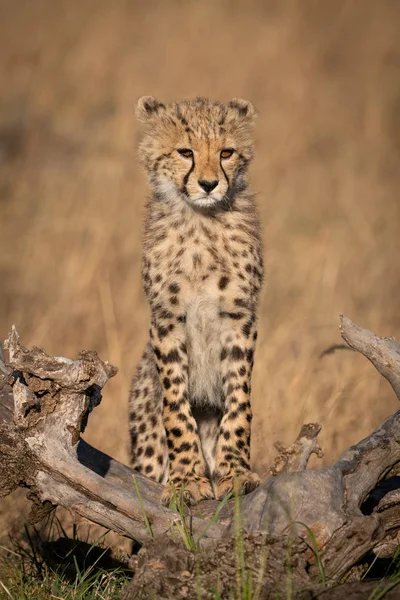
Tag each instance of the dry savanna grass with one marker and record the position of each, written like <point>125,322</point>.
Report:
<point>324,77</point>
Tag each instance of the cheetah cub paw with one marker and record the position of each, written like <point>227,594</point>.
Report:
<point>191,488</point>
<point>241,482</point>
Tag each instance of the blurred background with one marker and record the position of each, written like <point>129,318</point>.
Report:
<point>325,78</point>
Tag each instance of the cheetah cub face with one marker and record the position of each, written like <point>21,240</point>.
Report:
<point>196,153</point>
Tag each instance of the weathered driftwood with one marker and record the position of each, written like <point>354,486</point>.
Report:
<point>351,506</point>
<point>40,446</point>
<point>295,457</point>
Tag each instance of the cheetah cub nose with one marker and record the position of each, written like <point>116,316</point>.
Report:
<point>208,186</point>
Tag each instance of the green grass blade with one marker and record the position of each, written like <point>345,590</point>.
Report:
<point>315,552</point>
<point>214,518</point>
<point>142,507</point>
<point>378,594</point>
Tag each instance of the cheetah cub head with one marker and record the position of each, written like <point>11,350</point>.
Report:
<point>196,151</point>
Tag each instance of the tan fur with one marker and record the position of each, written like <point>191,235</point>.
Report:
<point>202,273</point>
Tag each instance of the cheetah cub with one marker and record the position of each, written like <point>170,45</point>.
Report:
<point>202,271</point>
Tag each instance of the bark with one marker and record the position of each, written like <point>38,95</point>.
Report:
<point>351,507</point>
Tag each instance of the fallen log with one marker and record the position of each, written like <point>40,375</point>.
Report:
<point>351,507</point>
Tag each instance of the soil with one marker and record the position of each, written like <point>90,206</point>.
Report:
<point>166,570</point>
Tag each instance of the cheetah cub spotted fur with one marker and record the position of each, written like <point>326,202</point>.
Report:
<point>202,271</point>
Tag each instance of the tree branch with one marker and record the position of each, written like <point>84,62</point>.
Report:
<point>52,399</point>
<point>384,353</point>
<point>44,405</point>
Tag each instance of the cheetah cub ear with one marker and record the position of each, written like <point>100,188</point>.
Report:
<point>147,108</point>
<point>242,108</point>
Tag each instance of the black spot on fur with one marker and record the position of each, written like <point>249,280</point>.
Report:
<point>223,282</point>
<point>162,332</point>
<point>246,329</point>
<point>236,316</point>
<point>171,357</point>
<point>241,302</point>
<point>249,355</point>
<point>237,353</point>
<point>165,314</point>
<point>176,431</point>
<point>184,447</point>
<point>224,354</point>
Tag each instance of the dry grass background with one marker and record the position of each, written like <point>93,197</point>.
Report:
<point>325,78</point>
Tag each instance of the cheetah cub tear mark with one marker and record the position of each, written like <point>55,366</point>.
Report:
<point>202,271</point>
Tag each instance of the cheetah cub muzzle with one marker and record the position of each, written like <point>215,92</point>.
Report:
<point>202,271</point>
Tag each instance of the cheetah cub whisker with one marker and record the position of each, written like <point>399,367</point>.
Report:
<point>202,271</point>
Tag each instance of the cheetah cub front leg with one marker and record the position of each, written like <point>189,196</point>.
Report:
<point>232,471</point>
<point>187,467</point>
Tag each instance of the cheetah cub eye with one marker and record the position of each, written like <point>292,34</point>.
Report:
<point>185,152</point>
<point>227,153</point>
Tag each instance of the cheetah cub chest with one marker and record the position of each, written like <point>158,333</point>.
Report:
<point>190,411</point>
